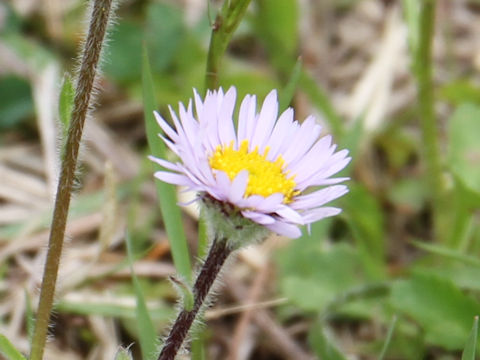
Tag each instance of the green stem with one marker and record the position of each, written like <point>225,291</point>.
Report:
<point>423,70</point>
<point>93,45</point>
<point>225,24</point>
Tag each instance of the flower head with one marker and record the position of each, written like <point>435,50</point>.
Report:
<point>274,171</point>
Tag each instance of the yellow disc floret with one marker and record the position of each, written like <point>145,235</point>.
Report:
<point>265,177</point>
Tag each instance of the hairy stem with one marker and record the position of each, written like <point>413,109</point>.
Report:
<point>424,67</point>
<point>84,87</point>
<point>225,24</point>
<point>217,255</point>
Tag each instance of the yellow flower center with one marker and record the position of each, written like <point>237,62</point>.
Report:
<point>265,177</point>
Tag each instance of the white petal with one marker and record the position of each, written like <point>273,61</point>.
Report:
<point>239,185</point>
<point>259,218</point>
<point>266,121</point>
<point>176,179</point>
<point>285,229</point>
<point>320,213</point>
<point>319,197</point>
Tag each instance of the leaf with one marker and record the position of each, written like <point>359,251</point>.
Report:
<point>15,101</point>
<point>164,33</point>
<point>166,193</point>
<point>65,105</point>
<point>471,347</point>
<point>449,253</point>
<point>8,350</point>
<point>146,330</point>
<point>464,147</point>
<point>288,91</point>
<point>388,339</point>
<point>323,344</point>
<point>444,312</point>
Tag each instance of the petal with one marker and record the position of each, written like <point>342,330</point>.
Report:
<point>289,214</point>
<point>266,121</point>
<point>320,213</point>
<point>285,229</point>
<point>259,218</point>
<point>239,185</point>
<point>176,179</point>
<point>319,197</point>
<point>226,130</point>
<point>166,164</point>
<point>270,203</point>
<point>165,127</point>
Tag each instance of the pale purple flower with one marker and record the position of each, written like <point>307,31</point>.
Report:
<point>275,171</point>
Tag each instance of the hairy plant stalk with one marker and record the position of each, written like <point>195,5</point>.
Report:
<point>423,70</point>
<point>225,24</point>
<point>83,92</point>
<point>217,255</point>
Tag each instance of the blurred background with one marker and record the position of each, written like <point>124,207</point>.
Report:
<point>333,294</point>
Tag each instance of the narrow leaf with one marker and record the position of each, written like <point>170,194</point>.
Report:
<point>448,253</point>
<point>166,193</point>
<point>286,95</point>
<point>8,350</point>
<point>388,340</point>
<point>146,330</point>
<point>471,347</point>
<point>65,104</point>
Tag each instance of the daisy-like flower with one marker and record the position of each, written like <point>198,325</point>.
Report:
<point>274,171</point>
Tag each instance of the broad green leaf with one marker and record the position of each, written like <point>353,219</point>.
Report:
<point>323,343</point>
<point>67,93</point>
<point>166,193</point>
<point>164,33</point>
<point>471,347</point>
<point>443,310</point>
<point>146,330</point>
<point>464,147</point>
<point>8,350</point>
<point>365,217</point>
<point>124,52</point>
<point>313,280</point>
<point>15,101</point>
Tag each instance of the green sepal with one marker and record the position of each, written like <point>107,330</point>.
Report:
<point>224,221</point>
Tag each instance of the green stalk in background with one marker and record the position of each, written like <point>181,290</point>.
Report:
<point>423,68</point>
<point>85,83</point>
<point>226,22</point>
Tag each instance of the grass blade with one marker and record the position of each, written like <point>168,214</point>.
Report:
<point>8,350</point>
<point>166,193</point>
<point>471,347</point>
<point>286,95</point>
<point>146,330</point>
<point>388,339</point>
<point>448,253</point>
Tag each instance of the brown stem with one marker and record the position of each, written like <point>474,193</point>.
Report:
<point>216,258</point>
<point>91,54</point>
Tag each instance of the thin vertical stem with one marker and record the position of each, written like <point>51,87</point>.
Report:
<point>225,24</point>
<point>84,87</point>
<point>217,255</point>
<point>423,70</point>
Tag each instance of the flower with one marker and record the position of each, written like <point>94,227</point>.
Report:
<point>275,172</point>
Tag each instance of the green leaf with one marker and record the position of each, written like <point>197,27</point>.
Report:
<point>412,14</point>
<point>471,347</point>
<point>146,330</point>
<point>365,217</point>
<point>15,101</point>
<point>449,253</point>
<point>65,105</point>
<point>124,52</point>
<point>323,343</point>
<point>278,24</point>
<point>166,193</point>
<point>444,312</point>
<point>288,91</point>
<point>8,350</point>
<point>464,147</point>
<point>461,91</point>
<point>164,33</point>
